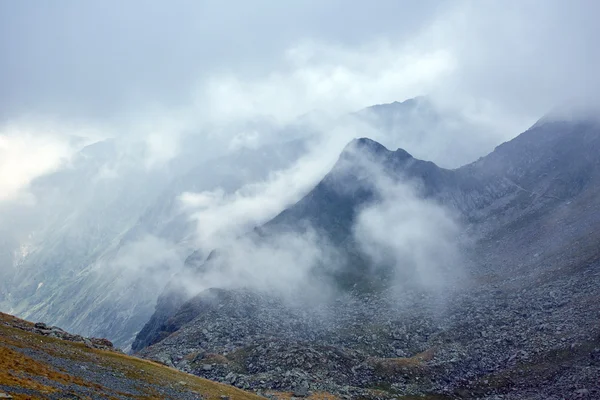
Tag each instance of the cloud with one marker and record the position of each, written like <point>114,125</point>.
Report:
<point>221,216</point>
<point>106,58</point>
<point>147,264</point>
<point>229,110</point>
<point>500,66</point>
<point>281,265</point>
<point>25,155</point>
<point>519,59</point>
<point>327,77</point>
<point>415,237</point>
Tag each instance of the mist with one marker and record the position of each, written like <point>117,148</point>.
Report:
<point>136,134</point>
<point>398,231</point>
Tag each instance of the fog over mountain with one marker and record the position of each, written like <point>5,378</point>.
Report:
<point>111,229</point>
<point>364,183</point>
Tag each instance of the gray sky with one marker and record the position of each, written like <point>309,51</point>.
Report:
<point>106,59</point>
<point>93,58</point>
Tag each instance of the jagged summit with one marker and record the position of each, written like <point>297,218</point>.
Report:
<point>361,150</point>
<point>372,147</point>
<point>364,143</point>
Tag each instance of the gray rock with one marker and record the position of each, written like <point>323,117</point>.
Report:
<point>301,390</point>
<point>207,367</point>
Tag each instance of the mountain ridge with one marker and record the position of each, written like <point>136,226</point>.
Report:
<point>510,204</point>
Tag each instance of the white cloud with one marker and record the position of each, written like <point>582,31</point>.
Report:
<point>417,238</point>
<point>221,216</point>
<point>25,154</point>
<point>149,263</point>
<point>281,265</point>
<point>326,77</point>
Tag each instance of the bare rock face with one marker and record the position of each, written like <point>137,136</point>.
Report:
<point>519,323</point>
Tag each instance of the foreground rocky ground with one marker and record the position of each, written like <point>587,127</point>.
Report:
<point>541,341</point>
<point>40,362</point>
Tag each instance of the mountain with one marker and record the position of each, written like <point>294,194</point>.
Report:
<point>107,230</point>
<point>509,313</point>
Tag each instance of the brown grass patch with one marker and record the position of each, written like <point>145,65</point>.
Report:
<point>191,356</point>
<point>14,366</point>
<point>151,372</point>
<point>389,366</point>
<point>212,358</point>
<point>314,396</point>
<point>18,370</point>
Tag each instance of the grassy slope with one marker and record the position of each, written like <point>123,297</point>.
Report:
<point>35,366</point>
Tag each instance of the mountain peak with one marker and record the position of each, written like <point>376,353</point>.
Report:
<point>364,143</point>
<point>372,148</point>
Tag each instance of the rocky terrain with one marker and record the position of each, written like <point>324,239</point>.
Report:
<point>537,338</point>
<point>517,320</point>
<point>40,362</point>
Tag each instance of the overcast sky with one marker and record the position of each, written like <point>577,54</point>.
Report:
<point>92,58</point>
<point>108,60</point>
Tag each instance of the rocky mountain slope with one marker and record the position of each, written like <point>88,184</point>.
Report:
<point>41,362</point>
<point>516,318</point>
